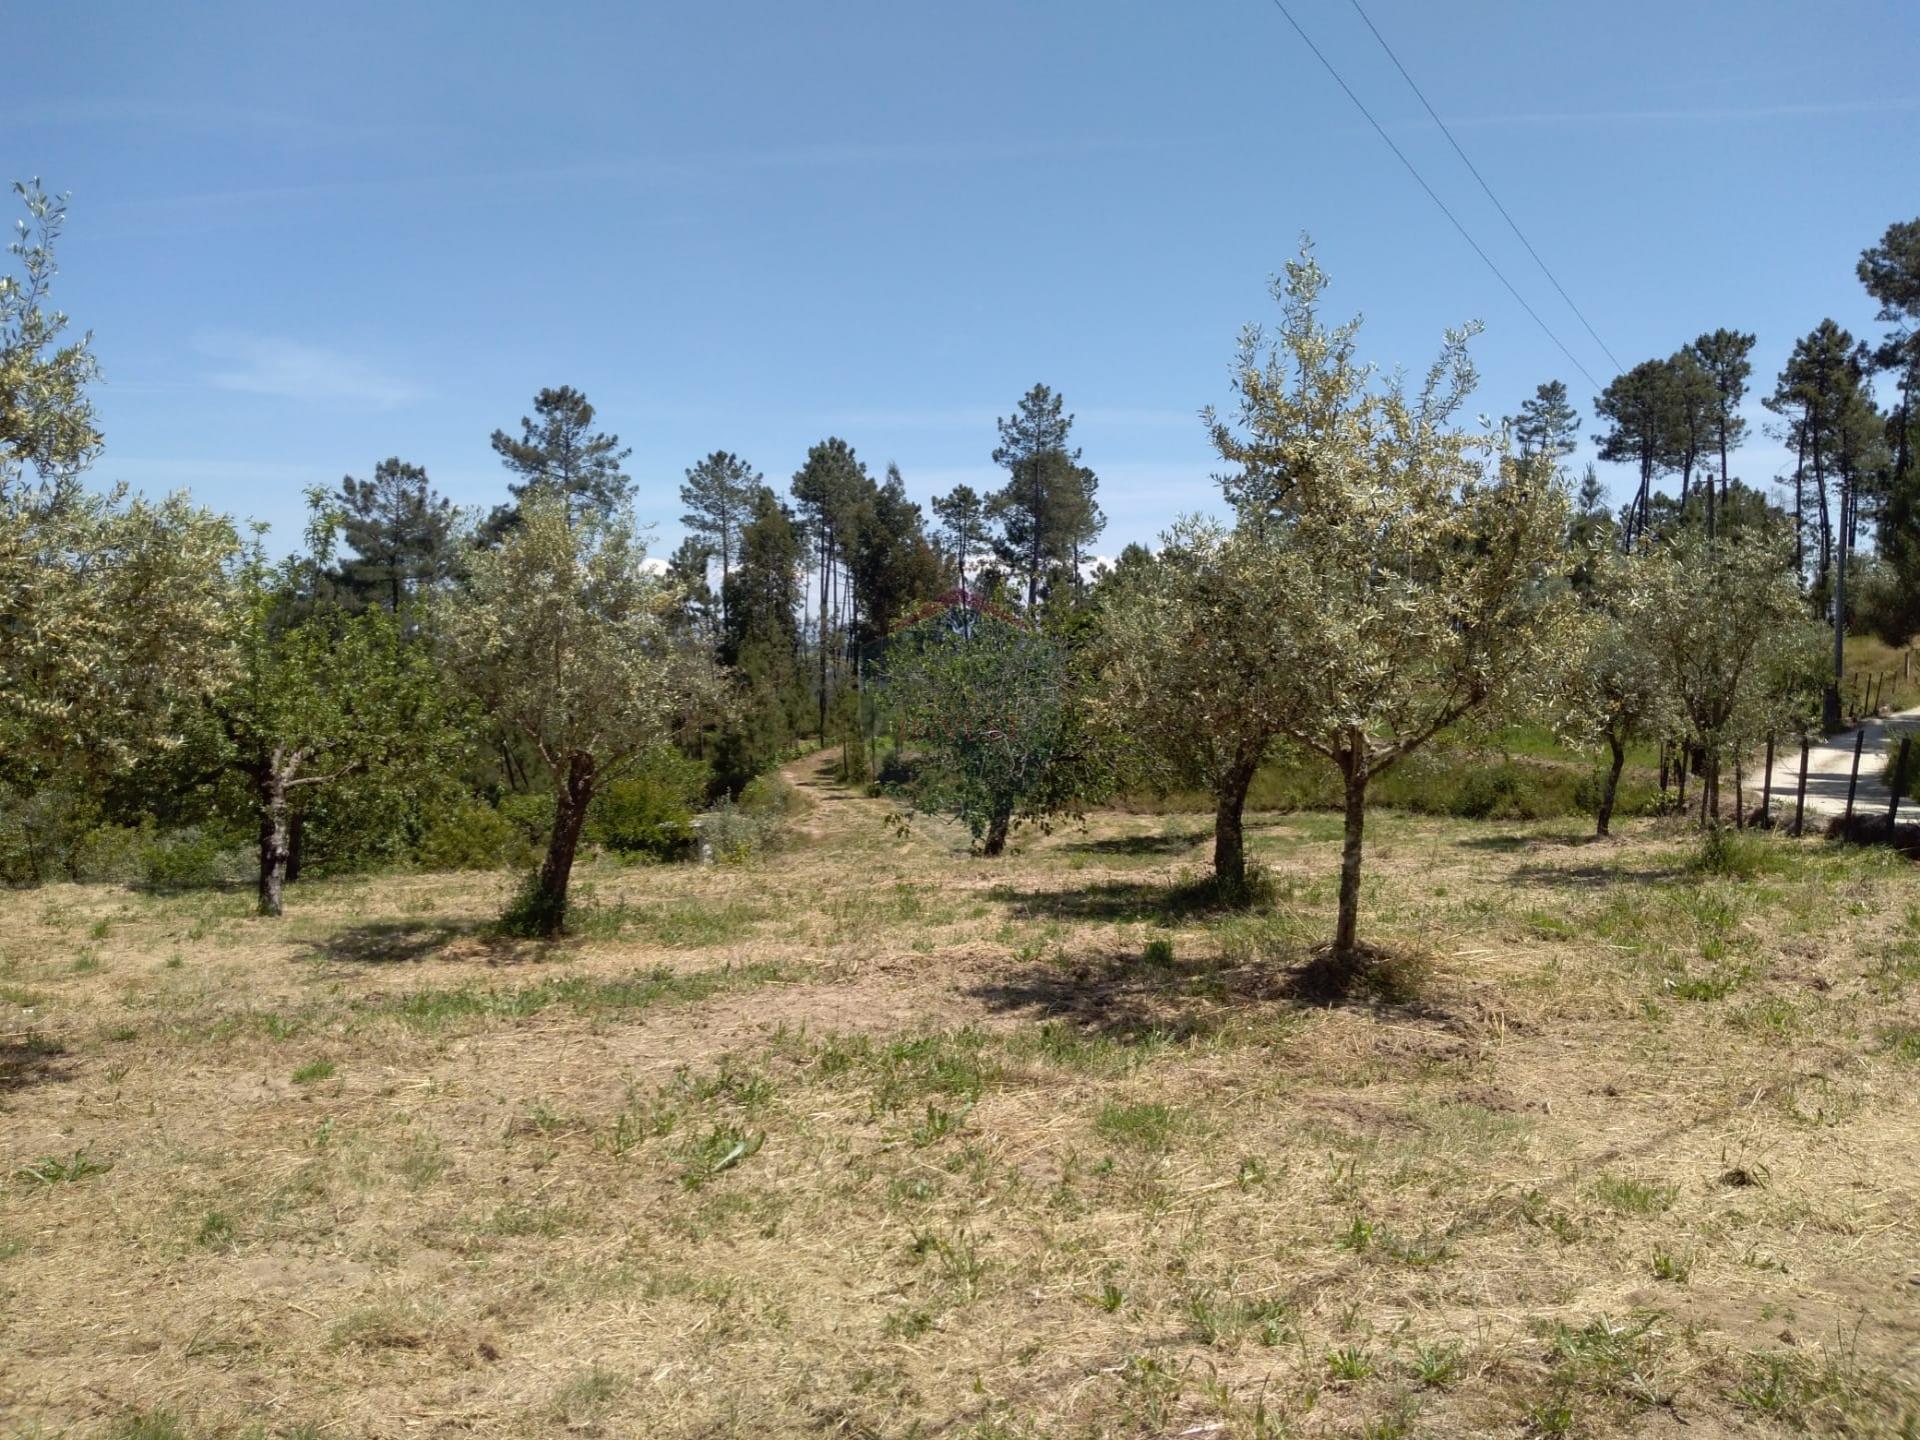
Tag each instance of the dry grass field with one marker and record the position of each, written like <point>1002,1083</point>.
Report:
<point>874,1139</point>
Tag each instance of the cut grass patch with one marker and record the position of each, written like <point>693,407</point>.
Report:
<point>439,1009</point>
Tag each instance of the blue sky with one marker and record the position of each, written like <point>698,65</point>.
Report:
<point>310,237</point>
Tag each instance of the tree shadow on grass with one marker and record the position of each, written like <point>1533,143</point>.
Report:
<point>1123,997</point>
<point>1594,877</point>
<point>408,942</point>
<point>1136,845</point>
<point>32,1059</point>
<point>1133,999</point>
<point>1117,901</point>
<point>1499,844</point>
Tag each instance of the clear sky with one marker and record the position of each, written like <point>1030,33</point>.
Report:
<point>308,237</point>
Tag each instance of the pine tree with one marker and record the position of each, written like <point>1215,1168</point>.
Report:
<point>1890,271</point>
<point>687,569</point>
<point>718,492</point>
<point>892,563</point>
<point>762,641</point>
<point>829,489</point>
<point>401,532</point>
<point>1820,394</point>
<point>1638,410</point>
<point>1046,511</point>
<point>1547,423</point>
<point>562,453</point>
<point>1723,354</point>
<point>1693,403</point>
<point>963,526</point>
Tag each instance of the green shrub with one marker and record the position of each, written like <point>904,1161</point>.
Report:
<point>1891,774</point>
<point>650,812</point>
<point>1496,791</point>
<point>774,794</point>
<point>1741,854</point>
<point>732,834</point>
<point>473,836</point>
<point>530,813</point>
<point>194,859</point>
<point>39,830</point>
<point>532,914</point>
<point>111,854</point>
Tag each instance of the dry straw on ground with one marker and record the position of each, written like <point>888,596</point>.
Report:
<point>874,1139</point>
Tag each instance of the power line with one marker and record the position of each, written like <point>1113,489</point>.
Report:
<point>1511,224</point>
<point>1432,195</point>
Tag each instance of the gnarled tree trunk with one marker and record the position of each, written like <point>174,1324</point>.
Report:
<point>998,824</point>
<point>1605,817</point>
<point>1229,832</point>
<point>570,801</point>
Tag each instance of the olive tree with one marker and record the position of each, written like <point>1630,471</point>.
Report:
<point>989,706</point>
<point>1409,575</point>
<point>117,623</point>
<point>1613,690</point>
<point>323,695</point>
<point>1195,672</point>
<point>568,637</point>
<point>46,417</point>
<point>1727,629</point>
<point>114,613</point>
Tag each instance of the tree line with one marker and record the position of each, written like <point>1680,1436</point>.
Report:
<point>161,669</point>
<point>1386,576</point>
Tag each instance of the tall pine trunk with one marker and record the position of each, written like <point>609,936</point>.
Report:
<point>826,579</point>
<point>570,801</point>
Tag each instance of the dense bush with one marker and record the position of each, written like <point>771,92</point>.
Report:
<point>735,831</point>
<point>193,859</point>
<point>774,794</point>
<point>649,813</point>
<point>474,836</point>
<point>47,835</point>
<point>530,813</point>
<point>112,854</point>
<point>1891,773</point>
<point>39,831</point>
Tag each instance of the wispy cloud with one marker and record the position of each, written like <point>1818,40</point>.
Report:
<point>204,118</point>
<point>678,169</point>
<point>295,370</point>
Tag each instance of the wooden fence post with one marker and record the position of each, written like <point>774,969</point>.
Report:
<point>1766,788</point>
<point>1899,775</point>
<point>1800,795</point>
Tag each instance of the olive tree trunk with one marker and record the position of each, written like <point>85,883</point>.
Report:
<point>1605,817</point>
<point>998,824</point>
<point>275,844</point>
<point>1229,830</point>
<point>571,797</point>
<point>1346,932</point>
